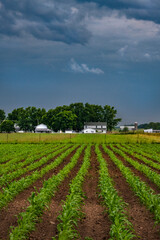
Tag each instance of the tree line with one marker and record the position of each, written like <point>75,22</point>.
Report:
<point>153,125</point>
<point>63,117</point>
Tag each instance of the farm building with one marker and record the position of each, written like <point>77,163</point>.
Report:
<point>68,131</point>
<point>130,127</point>
<point>97,126</point>
<point>148,130</point>
<point>42,128</point>
<point>17,128</point>
<point>89,130</point>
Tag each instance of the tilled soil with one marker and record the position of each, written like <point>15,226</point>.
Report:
<point>8,215</point>
<point>139,216</point>
<point>139,174</point>
<point>47,228</point>
<point>95,224</point>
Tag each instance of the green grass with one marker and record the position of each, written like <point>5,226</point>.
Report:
<point>77,138</point>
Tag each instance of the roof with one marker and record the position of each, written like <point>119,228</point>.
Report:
<point>42,127</point>
<point>95,123</point>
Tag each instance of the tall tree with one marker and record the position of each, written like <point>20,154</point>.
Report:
<point>79,110</point>
<point>16,114</point>
<point>109,117</point>
<point>2,115</point>
<point>64,120</point>
<point>93,113</point>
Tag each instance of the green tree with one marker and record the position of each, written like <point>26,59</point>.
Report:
<point>64,120</point>
<point>28,118</point>
<point>16,114</point>
<point>79,110</point>
<point>109,117</point>
<point>93,113</point>
<point>2,115</point>
<point>7,126</point>
<point>125,129</point>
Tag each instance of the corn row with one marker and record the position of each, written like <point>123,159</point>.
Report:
<point>146,195</point>
<point>121,227</point>
<point>72,211</point>
<point>38,202</point>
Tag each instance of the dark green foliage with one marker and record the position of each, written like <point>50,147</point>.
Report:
<point>65,117</point>
<point>155,126</point>
<point>2,115</point>
<point>7,126</point>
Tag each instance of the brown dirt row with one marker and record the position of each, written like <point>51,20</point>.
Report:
<point>138,173</point>
<point>95,223</point>
<point>47,228</point>
<point>139,216</point>
<point>8,215</point>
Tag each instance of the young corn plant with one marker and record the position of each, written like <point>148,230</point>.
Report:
<point>153,176</point>
<point>140,157</point>
<point>38,202</point>
<point>146,195</point>
<point>18,186</point>
<point>72,212</point>
<point>7,178</point>
<point>121,227</point>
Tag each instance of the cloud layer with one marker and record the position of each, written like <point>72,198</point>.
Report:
<point>43,19</point>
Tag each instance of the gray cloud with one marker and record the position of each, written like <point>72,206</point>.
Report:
<point>43,19</point>
<point>138,9</point>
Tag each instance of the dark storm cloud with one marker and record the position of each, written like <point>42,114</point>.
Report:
<point>138,9</point>
<point>43,19</point>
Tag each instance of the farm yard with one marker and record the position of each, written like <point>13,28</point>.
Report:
<point>72,190</point>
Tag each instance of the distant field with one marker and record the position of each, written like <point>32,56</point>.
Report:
<point>78,138</point>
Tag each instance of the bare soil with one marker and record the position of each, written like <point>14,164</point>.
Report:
<point>95,224</point>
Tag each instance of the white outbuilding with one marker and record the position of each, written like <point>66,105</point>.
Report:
<point>148,130</point>
<point>89,130</point>
<point>42,128</point>
<point>68,131</point>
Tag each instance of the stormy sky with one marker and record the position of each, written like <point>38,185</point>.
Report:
<point>56,52</point>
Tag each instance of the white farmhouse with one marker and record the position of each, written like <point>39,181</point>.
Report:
<point>100,127</point>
